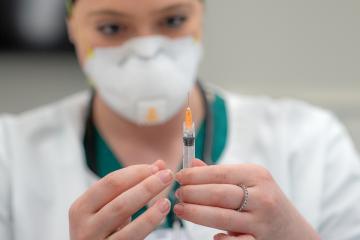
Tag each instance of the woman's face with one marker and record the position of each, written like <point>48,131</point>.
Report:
<point>105,23</point>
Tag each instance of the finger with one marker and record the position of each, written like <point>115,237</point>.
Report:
<point>109,187</point>
<point>224,174</point>
<point>220,236</point>
<point>129,202</point>
<point>223,236</point>
<point>127,221</point>
<point>160,164</point>
<point>214,217</point>
<point>145,224</point>
<point>217,195</point>
<point>198,163</point>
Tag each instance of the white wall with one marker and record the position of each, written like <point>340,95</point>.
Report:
<point>308,49</point>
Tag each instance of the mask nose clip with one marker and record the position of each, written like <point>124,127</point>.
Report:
<point>146,57</point>
<point>143,49</point>
<point>146,49</point>
<point>143,57</point>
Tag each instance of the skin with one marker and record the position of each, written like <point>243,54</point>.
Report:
<point>89,27</point>
<point>209,195</point>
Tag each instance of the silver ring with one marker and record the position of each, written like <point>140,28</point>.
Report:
<point>245,198</point>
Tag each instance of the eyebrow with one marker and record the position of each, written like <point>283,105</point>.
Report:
<point>174,7</point>
<point>109,13</point>
<point>124,15</point>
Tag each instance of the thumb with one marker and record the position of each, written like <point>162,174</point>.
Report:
<point>198,163</point>
<point>223,236</point>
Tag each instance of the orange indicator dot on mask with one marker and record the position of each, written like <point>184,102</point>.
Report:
<point>152,115</point>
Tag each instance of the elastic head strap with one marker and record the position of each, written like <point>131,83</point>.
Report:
<point>69,6</point>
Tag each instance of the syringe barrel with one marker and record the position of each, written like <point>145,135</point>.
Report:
<point>189,155</point>
<point>189,145</point>
<point>188,152</point>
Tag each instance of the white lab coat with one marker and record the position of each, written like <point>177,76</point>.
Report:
<point>309,153</point>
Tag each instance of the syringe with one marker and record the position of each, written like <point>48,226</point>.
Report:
<point>189,139</point>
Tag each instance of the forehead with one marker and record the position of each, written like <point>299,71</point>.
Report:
<point>129,5</point>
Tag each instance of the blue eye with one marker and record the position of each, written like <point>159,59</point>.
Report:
<point>175,21</point>
<point>110,29</point>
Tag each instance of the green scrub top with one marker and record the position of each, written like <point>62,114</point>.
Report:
<point>107,161</point>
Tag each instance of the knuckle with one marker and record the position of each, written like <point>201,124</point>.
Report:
<point>142,170</point>
<point>77,232</point>
<point>122,237</point>
<point>188,175</point>
<point>119,207</point>
<point>266,175</point>
<point>236,222</point>
<point>112,180</point>
<point>220,175</point>
<point>118,236</point>
<point>149,187</point>
<point>151,219</point>
<point>187,193</point>
<point>78,221</point>
<point>74,210</point>
<point>183,193</point>
<point>269,201</point>
<point>225,220</point>
<point>82,235</point>
<point>262,173</point>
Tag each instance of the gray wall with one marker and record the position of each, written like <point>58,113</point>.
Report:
<point>307,49</point>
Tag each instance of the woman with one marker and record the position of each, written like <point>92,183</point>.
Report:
<point>86,167</point>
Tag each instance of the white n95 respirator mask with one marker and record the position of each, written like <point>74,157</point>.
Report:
<point>146,80</point>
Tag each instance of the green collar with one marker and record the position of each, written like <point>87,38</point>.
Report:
<point>107,161</point>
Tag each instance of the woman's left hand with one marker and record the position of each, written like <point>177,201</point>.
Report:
<point>211,196</point>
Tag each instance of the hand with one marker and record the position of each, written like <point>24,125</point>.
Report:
<point>210,196</point>
<point>104,211</point>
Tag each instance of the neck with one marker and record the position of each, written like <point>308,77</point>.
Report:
<point>114,127</point>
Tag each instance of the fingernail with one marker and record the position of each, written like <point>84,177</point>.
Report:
<point>166,176</point>
<point>177,178</point>
<point>179,209</point>
<point>219,236</point>
<point>177,194</point>
<point>164,205</point>
<point>154,169</point>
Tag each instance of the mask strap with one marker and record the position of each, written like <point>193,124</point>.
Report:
<point>69,7</point>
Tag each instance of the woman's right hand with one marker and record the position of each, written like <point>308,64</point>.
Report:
<point>104,211</point>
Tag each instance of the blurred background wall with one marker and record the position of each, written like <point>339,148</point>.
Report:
<point>306,49</point>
